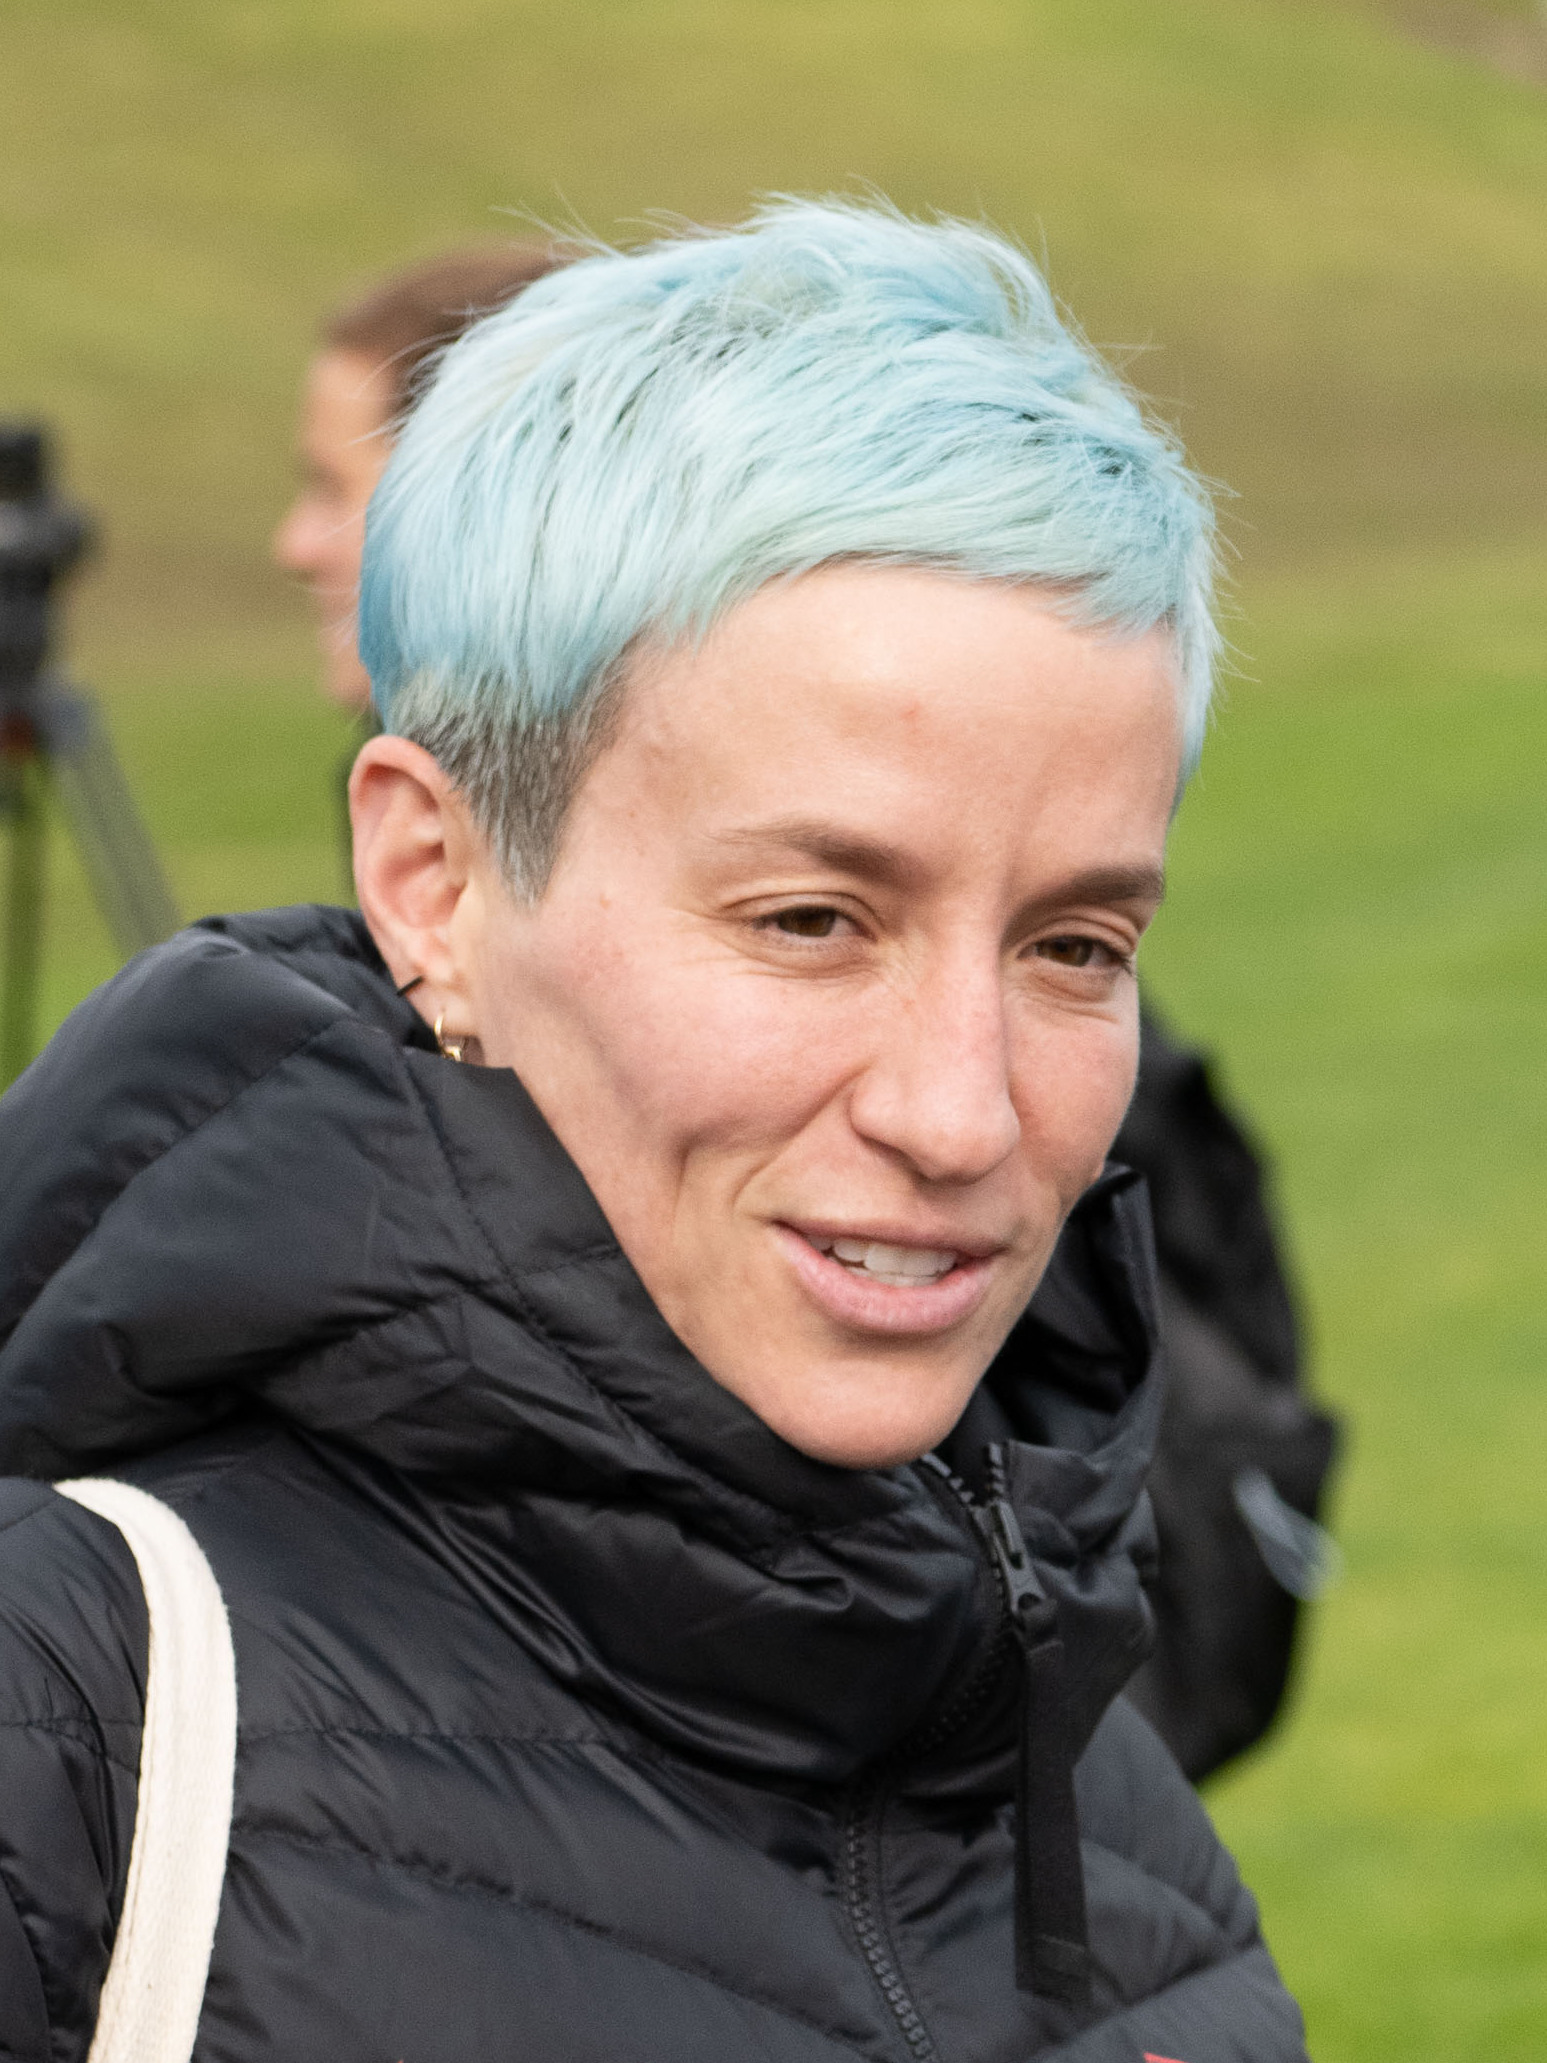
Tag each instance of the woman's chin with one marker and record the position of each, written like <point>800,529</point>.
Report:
<point>876,1420</point>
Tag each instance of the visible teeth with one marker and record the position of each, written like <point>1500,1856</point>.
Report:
<point>894,1264</point>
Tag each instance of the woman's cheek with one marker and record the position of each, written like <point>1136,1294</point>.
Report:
<point>1070,1128</point>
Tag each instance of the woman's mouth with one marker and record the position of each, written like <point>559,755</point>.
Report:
<point>881,1285</point>
<point>900,1265</point>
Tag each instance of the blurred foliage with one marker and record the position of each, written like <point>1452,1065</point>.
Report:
<point>1318,235</point>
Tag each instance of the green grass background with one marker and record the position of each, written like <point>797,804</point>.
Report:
<point>1322,245</point>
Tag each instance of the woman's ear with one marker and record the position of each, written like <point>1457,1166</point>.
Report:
<point>414,849</point>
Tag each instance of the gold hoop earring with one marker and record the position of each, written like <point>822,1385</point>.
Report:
<point>454,1047</point>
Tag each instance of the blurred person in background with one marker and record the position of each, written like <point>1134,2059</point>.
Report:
<point>360,383</point>
<point>1243,1457</point>
<point>635,1317</point>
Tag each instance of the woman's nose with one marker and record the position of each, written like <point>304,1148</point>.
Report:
<point>304,541</point>
<point>289,543</point>
<point>938,1091</point>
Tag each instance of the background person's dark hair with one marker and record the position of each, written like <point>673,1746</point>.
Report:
<point>406,319</point>
<point>372,359</point>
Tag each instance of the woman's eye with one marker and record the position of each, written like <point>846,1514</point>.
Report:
<point>1075,950</point>
<point>809,921</point>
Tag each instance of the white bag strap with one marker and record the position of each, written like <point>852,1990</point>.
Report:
<point>154,1988</point>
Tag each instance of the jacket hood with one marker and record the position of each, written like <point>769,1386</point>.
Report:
<point>241,1179</point>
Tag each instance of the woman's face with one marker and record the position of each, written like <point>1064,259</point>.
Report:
<point>831,996</point>
<point>345,445</point>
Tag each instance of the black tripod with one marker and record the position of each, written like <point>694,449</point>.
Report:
<point>52,738</point>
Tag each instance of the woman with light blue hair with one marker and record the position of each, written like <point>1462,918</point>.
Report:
<point>652,440</point>
<point>635,1324</point>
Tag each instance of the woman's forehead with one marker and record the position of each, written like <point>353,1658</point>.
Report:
<point>892,723</point>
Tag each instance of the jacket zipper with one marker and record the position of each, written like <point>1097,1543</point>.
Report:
<point>996,1530</point>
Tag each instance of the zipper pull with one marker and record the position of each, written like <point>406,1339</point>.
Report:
<point>1032,1610</point>
<point>1052,1952</point>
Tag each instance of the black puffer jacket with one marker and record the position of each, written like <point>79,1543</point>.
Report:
<point>582,1720</point>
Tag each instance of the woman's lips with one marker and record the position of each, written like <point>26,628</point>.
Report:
<point>867,1304</point>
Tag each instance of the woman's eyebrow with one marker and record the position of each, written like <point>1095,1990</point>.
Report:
<point>874,859</point>
<point>848,852</point>
<point>1143,882</point>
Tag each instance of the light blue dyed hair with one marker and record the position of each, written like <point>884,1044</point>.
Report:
<point>642,440</point>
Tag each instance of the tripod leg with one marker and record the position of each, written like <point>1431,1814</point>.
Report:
<point>120,861</point>
<point>21,798</point>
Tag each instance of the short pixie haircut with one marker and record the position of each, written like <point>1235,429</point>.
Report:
<point>646,438</point>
